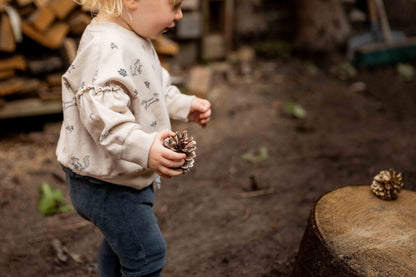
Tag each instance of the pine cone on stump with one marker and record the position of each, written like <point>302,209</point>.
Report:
<point>387,184</point>
<point>182,144</point>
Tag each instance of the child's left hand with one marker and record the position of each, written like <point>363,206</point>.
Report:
<point>200,111</point>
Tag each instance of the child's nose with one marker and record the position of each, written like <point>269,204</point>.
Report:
<point>178,15</point>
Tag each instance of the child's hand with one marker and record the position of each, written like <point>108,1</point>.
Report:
<point>163,160</point>
<point>200,111</point>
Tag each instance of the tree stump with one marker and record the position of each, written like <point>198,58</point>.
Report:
<point>321,25</point>
<point>353,233</point>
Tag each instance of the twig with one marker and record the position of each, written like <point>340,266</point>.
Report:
<point>246,211</point>
<point>255,193</point>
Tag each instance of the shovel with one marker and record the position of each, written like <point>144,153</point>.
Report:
<point>375,34</point>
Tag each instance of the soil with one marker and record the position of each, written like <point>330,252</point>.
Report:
<point>229,216</point>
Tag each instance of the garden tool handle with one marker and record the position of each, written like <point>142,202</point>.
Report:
<point>385,25</point>
<point>372,12</point>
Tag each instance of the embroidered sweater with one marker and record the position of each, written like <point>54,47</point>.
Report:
<point>116,96</point>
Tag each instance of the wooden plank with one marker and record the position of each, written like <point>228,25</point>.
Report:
<point>61,8</point>
<point>14,62</point>
<point>42,18</point>
<point>218,31</point>
<point>7,39</point>
<point>26,11</point>
<point>6,74</point>
<point>34,34</point>
<point>24,2</point>
<point>52,38</point>
<point>54,80</point>
<point>10,86</point>
<point>229,25</point>
<point>3,3</point>
<point>41,3</point>
<point>166,46</point>
<point>70,49</point>
<point>45,65</point>
<point>78,22</point>
<point>30,107</point>
<point>57,33</point>
<point>50,94</point>
<point>18,85</point>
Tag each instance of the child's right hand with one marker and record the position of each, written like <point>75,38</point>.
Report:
<point>163,160</point>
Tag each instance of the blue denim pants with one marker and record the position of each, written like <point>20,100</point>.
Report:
<point>133,244</point>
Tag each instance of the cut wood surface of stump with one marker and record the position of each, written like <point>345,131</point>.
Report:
<point>351,232</point>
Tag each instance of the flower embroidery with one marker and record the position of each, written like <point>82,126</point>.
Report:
<point>69,128</point>
<point>122,72</point>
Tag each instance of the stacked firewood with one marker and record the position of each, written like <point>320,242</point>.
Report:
<point>38,41</point>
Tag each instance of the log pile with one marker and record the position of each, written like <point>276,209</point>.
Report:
<point>38,41</point>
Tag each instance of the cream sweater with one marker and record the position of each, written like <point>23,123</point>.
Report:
<point>116,96</point>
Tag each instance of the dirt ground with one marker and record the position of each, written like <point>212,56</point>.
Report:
<point>213,222</point>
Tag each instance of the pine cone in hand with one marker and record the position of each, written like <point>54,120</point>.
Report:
<point>387,184</point>
<point>182,144</point>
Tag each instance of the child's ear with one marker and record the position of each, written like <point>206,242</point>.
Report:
<point>131,4</point>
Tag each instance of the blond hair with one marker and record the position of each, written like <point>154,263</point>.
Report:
<point>108,7</point>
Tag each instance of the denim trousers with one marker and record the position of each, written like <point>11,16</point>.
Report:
<point>133,245</point>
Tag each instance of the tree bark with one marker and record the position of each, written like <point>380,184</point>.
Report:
<point>321,25</point>
<point>352,233</point>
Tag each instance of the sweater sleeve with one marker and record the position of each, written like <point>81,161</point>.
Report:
<point>178,104</point>
<point>105,113</point>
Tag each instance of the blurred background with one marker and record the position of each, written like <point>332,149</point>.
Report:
<point>307,96</point>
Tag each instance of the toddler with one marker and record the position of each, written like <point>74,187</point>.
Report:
<point>117,105</point>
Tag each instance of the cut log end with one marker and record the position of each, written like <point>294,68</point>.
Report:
<point>352,233</point>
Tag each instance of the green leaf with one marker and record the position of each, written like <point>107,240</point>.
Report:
<point>295,109</point>
<point>406,72</point>
<point>344,71</point>
<point>51,200</point>
<point>261,155</point>
<point>65,208</point>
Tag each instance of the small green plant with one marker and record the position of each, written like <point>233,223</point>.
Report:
<point>344,71</point>
<point>260,155</point>
<point>295,109</point>
<point>406,72</point>
<point>51,200</point>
